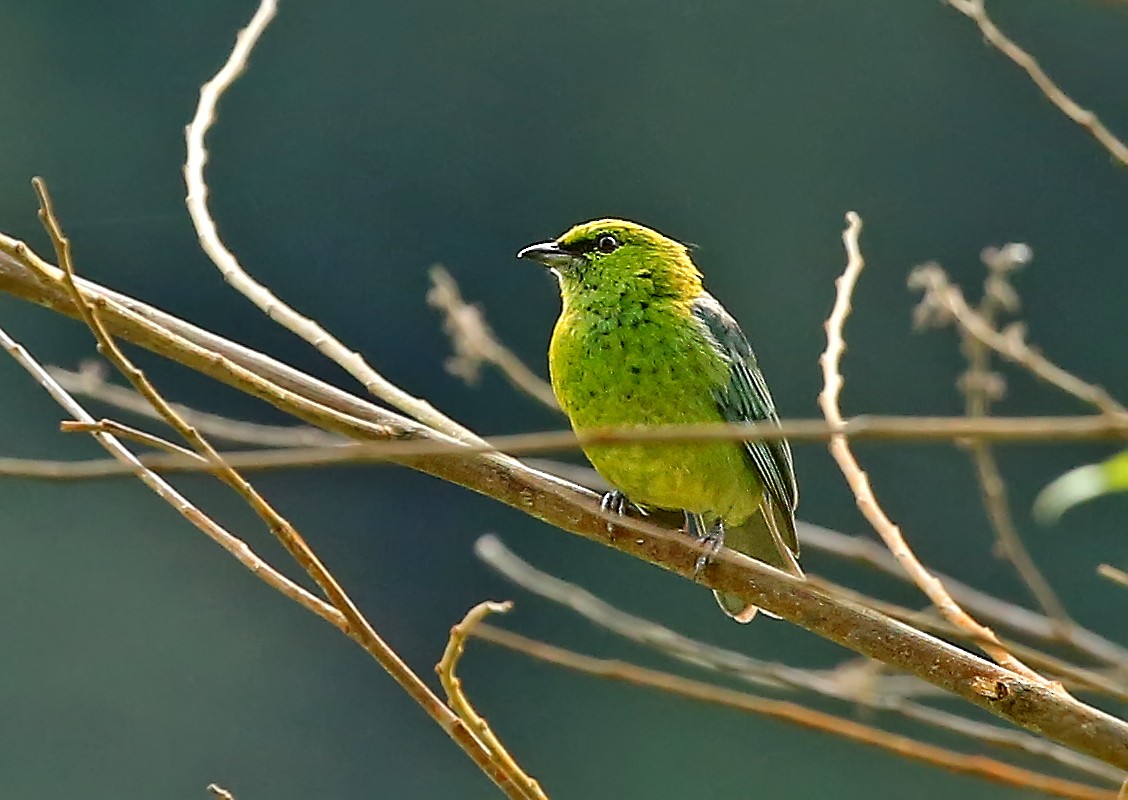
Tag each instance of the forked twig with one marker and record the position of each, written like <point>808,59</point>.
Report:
<point>357,626</point>
<point>858,480</point>
<point>127,432</point>
<point>232,544</point>
<point>941,301</point>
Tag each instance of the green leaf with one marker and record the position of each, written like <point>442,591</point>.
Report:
<point>1081,485</point>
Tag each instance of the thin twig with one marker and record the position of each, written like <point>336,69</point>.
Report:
<point>980,386</point>
<point>233,545</point>
<point>975,10</point>
<point>966,764</point>
<point>934,430</point>
<point>89,380</point>
<point>460,703</point>
<point>127,432</point>
<point>1068,674</point>
<point>942,302</point>
<point>889,693</point>
<point>475,343</point>
<point>358,626</point>
<point>491,550</point>
<point>233,272</point>
<point>1113,574</point>
<point>859,482</point>
<point>1015,618</point>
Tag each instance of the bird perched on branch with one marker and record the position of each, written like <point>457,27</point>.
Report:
<point>640,342</point>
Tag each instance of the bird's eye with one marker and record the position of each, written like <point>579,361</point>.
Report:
<point>607,243</point>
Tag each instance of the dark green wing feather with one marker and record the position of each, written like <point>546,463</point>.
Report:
<point>745,398</point>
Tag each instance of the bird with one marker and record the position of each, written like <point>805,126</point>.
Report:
<point>639,342</point>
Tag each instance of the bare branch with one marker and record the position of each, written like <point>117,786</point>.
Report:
<point>859,482</point>
<point>89,380</point>
<point>233,545</point>
<point>974,765</point>
<point>233,272</point>
<point>573,509</point>
<point>475,343</point>
<point>861,687</point>
<point>462,706</point>
<point>977,12</point>
<point>942,302</point>
<point>999,296</point>
<point>358,627</point>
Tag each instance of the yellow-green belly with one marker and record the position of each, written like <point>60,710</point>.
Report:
<point>610,373</point>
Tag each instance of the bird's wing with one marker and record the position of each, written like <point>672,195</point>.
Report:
<point>745,398</point>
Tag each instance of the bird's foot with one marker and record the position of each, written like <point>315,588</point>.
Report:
<point>710,539</point>
<point>616,503</point>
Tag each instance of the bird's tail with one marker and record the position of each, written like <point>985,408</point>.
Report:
<point>764,537</point>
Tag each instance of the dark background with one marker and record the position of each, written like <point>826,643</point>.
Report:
<point>370,140</point>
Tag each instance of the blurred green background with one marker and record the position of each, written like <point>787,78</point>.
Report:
<point>370,140</point>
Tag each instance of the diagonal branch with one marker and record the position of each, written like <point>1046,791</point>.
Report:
<point>233,272</point>
<point>974,765</point>
<point>889,693</point>
<point>859,482</point>
<point>358,628</point>
<point>233,545</point>
<point>576,510</point>
<point>977,12</point>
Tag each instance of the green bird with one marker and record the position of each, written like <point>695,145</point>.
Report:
<point>640,342</point>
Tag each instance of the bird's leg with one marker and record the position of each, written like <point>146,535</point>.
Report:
<point>710,537</point>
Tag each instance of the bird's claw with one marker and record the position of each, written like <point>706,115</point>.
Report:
<point>713,540</point>
<point>614,502</point>
<point>617,504</point>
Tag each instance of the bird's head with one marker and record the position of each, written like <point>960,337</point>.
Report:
<point>613,256</point>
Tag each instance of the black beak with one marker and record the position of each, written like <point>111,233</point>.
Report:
<point>550,254</point>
